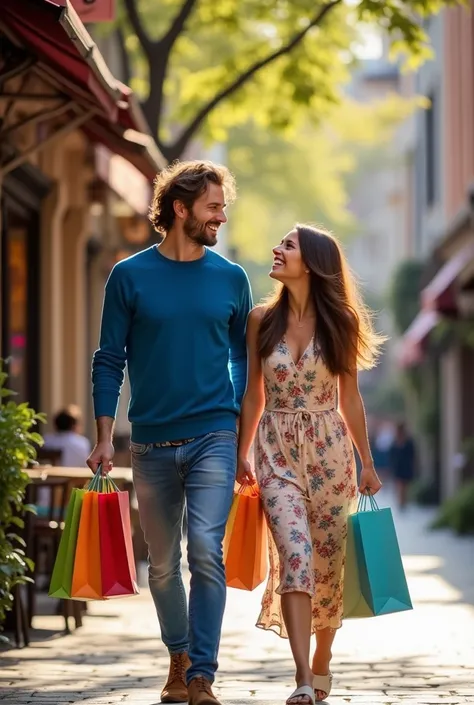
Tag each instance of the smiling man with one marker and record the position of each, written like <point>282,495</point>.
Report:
<point>176,315</point>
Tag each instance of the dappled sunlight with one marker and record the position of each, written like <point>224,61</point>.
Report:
<point>421,564</point>
<point>426,586</point>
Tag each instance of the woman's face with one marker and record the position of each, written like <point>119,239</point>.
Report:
<point>287,260</point>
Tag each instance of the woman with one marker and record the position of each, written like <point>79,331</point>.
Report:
<point>304,347</point>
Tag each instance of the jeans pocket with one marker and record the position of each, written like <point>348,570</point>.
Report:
<point>140,448</point>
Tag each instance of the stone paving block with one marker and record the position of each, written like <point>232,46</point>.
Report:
<point>422,657</point>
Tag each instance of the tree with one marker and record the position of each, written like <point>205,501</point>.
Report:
<point>203,66</point>
<point>305,176</point>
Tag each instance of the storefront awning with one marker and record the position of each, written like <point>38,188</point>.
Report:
<point>410,351</point>
<point>439,295</point>
<point>66,57</point>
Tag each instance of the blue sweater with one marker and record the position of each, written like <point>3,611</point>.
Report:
<point>177,325</point>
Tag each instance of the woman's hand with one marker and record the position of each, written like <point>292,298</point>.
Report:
<point>244,472</point>
<point>369,481</point>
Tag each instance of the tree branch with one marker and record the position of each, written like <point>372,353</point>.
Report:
<point>158,54</point>
<point>177,25</point>
<point>181,143</point>
<point>137,26</point>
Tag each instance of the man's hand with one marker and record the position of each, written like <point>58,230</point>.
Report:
<point>102,454</point>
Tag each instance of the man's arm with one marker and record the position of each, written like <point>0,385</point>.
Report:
<point>238,345</point>
<point>108,366</point>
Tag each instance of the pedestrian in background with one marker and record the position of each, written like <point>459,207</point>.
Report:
<point>383,439</point>
<point>402,463</point>
<point>304,346</point>
<point>176,314</point>
<point>67,438</point>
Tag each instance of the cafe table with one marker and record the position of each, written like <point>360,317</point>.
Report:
<point>121,476</point>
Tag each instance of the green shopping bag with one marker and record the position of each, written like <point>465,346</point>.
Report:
<point>374,579</point>
<point>61,580</point>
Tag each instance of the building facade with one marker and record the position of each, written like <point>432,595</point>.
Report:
<point>439,341</point>
<point>73,143</point>
<point>382,201</point>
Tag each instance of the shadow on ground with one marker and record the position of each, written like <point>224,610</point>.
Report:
<point>98,674</point>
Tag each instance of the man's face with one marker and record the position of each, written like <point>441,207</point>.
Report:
<point>206,216</point>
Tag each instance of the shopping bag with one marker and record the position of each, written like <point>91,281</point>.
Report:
<point>61,579</point>
<point>118,572</point>
<point>86,578</point>
<point>230,526</point>
<point>374,579</point>
<point>245,545</point>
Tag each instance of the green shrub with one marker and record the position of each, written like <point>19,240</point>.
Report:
<point>424,493</point>
<point>405,293</point>
<point>457,513</point>
<point>17,448</point>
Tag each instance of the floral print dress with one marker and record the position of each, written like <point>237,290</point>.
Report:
<point>306,472</point>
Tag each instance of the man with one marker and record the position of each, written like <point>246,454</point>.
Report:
<point>173,313</point>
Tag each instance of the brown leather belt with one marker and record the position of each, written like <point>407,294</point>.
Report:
<point>167,444</point>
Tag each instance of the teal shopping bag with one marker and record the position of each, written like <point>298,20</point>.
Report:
<point>374,580</point>
<point>61,579</point>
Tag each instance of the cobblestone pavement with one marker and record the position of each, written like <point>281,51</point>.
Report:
<point>425,656</point>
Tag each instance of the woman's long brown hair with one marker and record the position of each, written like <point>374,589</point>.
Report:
<point>344,329</point>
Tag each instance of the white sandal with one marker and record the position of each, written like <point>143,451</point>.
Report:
<point>324,684</point>
<point>300,692</point>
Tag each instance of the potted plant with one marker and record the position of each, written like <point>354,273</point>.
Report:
<point>17,449</point>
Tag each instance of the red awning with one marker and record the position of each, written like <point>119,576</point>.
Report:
<point>411,347</point>
<point>68,58</point>
<point>439,295</point>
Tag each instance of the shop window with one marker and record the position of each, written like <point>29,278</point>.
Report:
<point>17,309</point>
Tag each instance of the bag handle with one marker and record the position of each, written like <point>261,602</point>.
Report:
<point>246,486</point>
<point>102,483</point>
<point>365,499</point>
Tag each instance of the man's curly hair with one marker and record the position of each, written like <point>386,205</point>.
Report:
<point>186,182</point>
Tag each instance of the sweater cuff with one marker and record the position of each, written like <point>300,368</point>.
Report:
<point>105,404</point>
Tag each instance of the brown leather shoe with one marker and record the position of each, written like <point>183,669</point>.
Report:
<point>200,692</point>
<point>175,690</point>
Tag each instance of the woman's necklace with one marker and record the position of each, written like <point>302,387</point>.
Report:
<point>303,321</point>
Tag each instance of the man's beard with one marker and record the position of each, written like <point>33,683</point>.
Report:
<point>197,231</point>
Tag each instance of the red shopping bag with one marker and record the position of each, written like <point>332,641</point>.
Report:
<point>118,572</point>
<point>245,544</point>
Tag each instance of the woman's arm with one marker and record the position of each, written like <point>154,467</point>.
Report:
<point>353,413</point>
<point>253,402</point>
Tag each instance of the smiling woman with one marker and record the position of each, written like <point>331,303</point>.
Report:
<point>344,328</point>
<point>304,410</point>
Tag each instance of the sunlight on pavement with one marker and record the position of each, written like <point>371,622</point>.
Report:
<point>426,587</point>
<point>421,564</point>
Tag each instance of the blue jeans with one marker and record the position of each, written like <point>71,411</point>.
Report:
<point>201,472</point>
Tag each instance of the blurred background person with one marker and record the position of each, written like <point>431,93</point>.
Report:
<point>402,462</point>
<point>383,439</point>
<point>75,448</point>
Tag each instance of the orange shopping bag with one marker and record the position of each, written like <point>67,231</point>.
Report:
<point>245,544</point>
<point>86,578</point>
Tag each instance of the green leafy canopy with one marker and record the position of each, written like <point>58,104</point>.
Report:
<point>203,66</point>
